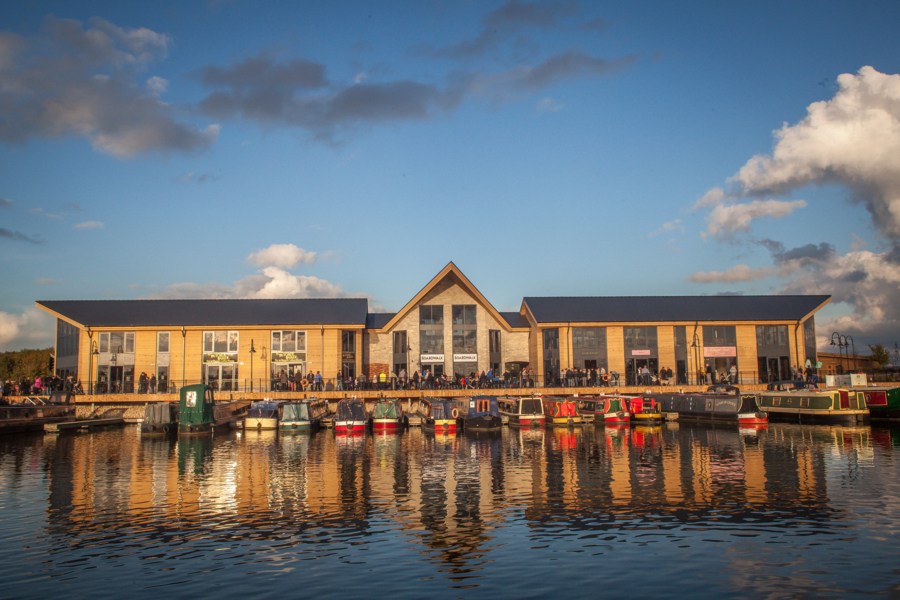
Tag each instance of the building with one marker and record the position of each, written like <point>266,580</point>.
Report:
<point>447,329</point>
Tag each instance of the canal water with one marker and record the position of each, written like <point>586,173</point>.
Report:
<point>783,512</point>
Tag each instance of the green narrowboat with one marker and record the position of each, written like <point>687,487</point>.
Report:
<point>883,401</point>
<point>835,406</point>
<point>199,413</point>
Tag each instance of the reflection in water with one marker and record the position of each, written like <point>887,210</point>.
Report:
<point>452,512</point>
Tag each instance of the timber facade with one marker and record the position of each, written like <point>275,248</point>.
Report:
<point>448,329</point>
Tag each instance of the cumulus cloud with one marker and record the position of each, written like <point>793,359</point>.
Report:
<point>274,280</point>
<point>285,256</point>
<point>852,140</point>
<point>726,219</point>
<point>30,329</point>
<point>81,80</point>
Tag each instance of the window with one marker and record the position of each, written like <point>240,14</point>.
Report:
<point>220,341</point>
<point>400,342</point>
<point>431,315</point>
<point>117,342</point>
<point>432,342</point>
<point>494,340</point>
<point>640,337</point>
<point>464,341</point>
<point>348,341</point>
<point>719,335</point>
<point>464,314</point>
<point>288,341</point>
<point>162,342</point>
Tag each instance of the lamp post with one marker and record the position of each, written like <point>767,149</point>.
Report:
<point>252,352</point>
<point>695,344</point>
<point>94,352</point>
<point>852,347</point>
<point>841,344</point>
<point>266,367</point>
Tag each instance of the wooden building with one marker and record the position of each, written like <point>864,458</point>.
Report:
<point>448,328</point>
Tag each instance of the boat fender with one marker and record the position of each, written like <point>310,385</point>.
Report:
<point>455,413</point>
<point>605,377</point>
<point>620,414</point>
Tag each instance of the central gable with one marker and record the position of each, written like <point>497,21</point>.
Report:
<point>449,278</point>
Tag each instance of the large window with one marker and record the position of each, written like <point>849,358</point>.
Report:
<point>640,337</point>
<point>431,315</point>
<point>431,342</point>
<point>464,314</point>
<point>220,341</point>
<point>117,342</point>
<point>719,335</point>
<point>431,329</point>
<point>589,347</point>
<point>288,341</point>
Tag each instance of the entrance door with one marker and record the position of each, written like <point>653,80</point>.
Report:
<point>774,374</point>
<point>116,379</point>
<point>221,377</point>
<point>633,369</point>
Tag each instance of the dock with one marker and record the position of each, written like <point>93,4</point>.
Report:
<point>83,424</point>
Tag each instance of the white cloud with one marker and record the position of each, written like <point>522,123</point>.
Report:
<point>735,274</point>
<point>157,85</point>
<point>282,284</point>
<point>713,197</point>
<point>668,227</point>
<point>852,139</point>
<point>90,225</point>
<point>285,256</point>
<point>727,219</point>
<point>30,329</point>
<point>548,105</point>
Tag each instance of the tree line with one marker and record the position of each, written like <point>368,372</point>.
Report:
<point>17,365</point>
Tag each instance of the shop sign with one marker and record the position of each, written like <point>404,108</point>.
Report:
<point>431,359</point>
<point>640,352</point>
<point>719,351</point>
<point>289,357</point>
<point>219,357</point>
<point>348,356</point>
<point>465,358</point>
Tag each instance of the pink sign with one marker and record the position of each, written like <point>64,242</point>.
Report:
<point>640,353</point>
<point>719,351</point>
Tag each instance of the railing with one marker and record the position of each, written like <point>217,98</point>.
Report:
<point>577,380</point>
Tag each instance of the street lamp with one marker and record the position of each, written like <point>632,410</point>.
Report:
<point>852,347</point>
<point>266,367</point>
<point>94,352</point>
<point>252,352</point>
<point>695,344</point>
<point>841,344</point>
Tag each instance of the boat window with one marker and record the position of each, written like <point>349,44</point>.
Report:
<point>531,405</point>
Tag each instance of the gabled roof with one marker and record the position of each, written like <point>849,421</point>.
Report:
<point>670,308</point>
<point>450,271</point>
<point>212,313</point>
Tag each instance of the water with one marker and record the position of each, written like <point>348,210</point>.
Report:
<point>784,512</point>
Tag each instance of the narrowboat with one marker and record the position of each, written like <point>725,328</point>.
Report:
<point>883,402</point>
<point>263,415</point>
<point>482,413</point>
<point>609,410</point>
<point>525,411</point>
<point>199,413</point>
<point>644,410</point>
<point>441,415</point>
<point>350,417</point>
<point>387,415</point>
<point>302,415</point>
<point>160,419</point>
<point>718,403</point>
<point>561,411</point>
<point>835,406</point>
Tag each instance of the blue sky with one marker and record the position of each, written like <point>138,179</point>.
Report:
<point>271,149</point>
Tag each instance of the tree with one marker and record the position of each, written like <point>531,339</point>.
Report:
<point>880,354</point>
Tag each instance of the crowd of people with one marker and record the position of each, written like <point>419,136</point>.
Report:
<point>41,386</point>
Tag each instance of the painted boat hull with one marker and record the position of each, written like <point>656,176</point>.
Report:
<point>385,425</point>
<point>260,423</point>
<point>349,427</point>
<point>440,425</point>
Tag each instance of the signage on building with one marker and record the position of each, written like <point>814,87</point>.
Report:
<point>431,359</point>
<point>719,351</point>
<point>289,357</point>
<point>220,357</point>
<point>640,352</point>
<point>465,358</point>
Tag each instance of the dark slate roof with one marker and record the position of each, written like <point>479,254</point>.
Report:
<point>672,308</point>
<point>378,320</point>
<point>514,319</point>
<point>175,313</point>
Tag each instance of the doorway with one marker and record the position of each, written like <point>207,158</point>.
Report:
<point>633,369</point>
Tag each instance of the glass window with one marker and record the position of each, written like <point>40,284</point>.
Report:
<point>348,341</point>
<point>220,341</point>
<point>432,342</point>
<point>640,337</point>
<point>719,335</point>
<point>464,314</point>
<point>464,341</point>
<point>162,342</point>
<point>494,340</point>
<point>288,341</point>
<point>431,315</point>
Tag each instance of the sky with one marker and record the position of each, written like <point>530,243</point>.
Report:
<point>233,149</point>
